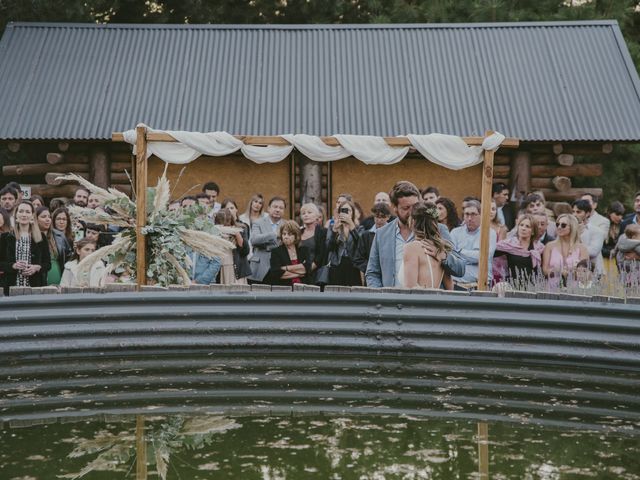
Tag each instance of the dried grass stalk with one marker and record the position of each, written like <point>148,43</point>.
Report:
<point>181,271</point>
<point>99,217</point>
<point>205,243</point>
<point>85,265</point>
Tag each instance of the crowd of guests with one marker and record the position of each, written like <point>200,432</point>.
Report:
<point>409,238</point>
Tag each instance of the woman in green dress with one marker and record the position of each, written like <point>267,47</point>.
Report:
<point>59,247</point>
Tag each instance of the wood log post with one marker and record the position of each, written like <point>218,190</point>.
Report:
<point>562,184</point>
<point>483,451</point>
<point>55,158</point>
<point>565,159</point>
<point>578,170</point>
<point>310,181</point>
<point>141,449</point>
<point>607,148</point>
<point>485,221</point>
<point>521,174</point>
<point>99,168</point>
<point>63,146</point>
<point>141,205</point>
<point>14,147</point>
<point>557,148</point>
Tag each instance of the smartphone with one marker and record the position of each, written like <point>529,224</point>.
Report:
<point>343,210</point>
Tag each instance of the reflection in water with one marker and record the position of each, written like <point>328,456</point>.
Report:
<point>311,447</point>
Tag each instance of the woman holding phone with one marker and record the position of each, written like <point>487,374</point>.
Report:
<point>341,245</point>
<point>24,253</point>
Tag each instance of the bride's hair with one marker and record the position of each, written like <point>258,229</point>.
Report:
<point>425,225</point>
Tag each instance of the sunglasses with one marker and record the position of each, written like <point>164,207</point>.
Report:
<point>562,225</point>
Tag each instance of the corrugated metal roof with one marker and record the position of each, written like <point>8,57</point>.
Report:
<point>570,81</point>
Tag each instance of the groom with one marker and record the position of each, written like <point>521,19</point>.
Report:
<point>388,244</point>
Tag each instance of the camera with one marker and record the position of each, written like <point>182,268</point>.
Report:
<point>343,210</point>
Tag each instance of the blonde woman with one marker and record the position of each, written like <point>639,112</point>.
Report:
<point>560,257</point>
<point>254,209</point>
<point>24,253</point>
<point>313,234</point>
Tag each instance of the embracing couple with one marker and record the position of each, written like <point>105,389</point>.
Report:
<point>414,250</point>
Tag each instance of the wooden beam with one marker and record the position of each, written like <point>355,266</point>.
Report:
<point>55,158</point>
<point>568,195</point>
<point>120,166</point>
<point>562,184</point>
<point>13,147</point>
<point>141,205</point>
<point>49,191</point>
<point>483,451</point>
<point>558,148</point>
<point>565,159</point>
<point>63,146</point>
<point>42,168</point>
<point>485,221</point>
<point>331,141</point>
<point>99,168</point>
<point>579,170</point>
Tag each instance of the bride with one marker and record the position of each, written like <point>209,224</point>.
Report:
<point>420,269</point>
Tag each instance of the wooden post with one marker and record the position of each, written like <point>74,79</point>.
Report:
<point>99,168</point>
<point>485,227</point>
<point>141,449</point>
<point>141,205</point>
<point>483,451</point>
<point>521,175</point>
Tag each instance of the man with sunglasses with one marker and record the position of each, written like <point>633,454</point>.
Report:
<point>592,236</point>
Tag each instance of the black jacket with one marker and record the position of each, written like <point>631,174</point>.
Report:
<point>280,258</point>
<point>39,256</point>
<point>361,257</point>
<point>240,262</point>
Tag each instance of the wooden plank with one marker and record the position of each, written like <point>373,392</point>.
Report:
<point>502,170</point>
<point>485,221</point>
<point>501,160</point>
<point>50,191</point>
<point>54,158</point>
<point>543,159</point>
<point>537,183</point>
<point>121,166</point>
<point>119,178</point>
<point>331,141</point>
<point>141,449</point>
<point>483,451</point>
<point>141,205</point>
<point>570,195</point>
<point>580,170</point>
<point>42,168</point>
<point>55,178</point>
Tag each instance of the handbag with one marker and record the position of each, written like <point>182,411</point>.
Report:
<point>322,275</point>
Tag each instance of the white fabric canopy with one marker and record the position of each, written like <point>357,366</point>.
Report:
<point>446,150</point>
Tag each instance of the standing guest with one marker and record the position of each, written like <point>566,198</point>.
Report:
<point>591,236</point>
<point>264,238</point>
<point>37,201</point>
<point>95,277</point>
<point>595,219</point>
<point>627,253</point>
<point>16,186</point>
<point>253,213</point>
<point>542,222</point>
<point>56,203</point>
<point>496,225</point>
<point>94,201</point>
<point>430,194</point>
<point>615,212</point>
<point>188,201</point>
<point>343,197</point>
<point>97,233</point>
<point>290,262</point>
<point>466,240</point>
<point>500,192</point>
<point>5,221</point>
<point>420,269</point>
<point>387,250</point>
<point>8,198</point>
<point>61,221</point>
<point>381,213</point>
<point>59,247</point>
<point>204,201</point>
<point>341,244</point>
<point>447,213</point>
<point>381,197</point>
<point>24,254</point>
<point>560,257</point>
<point>235,266</point>
<point>241,254</point>
<point>313,235</point>
<point>632,217</point>
<point>212,190</point>
<point>81,197</point>
<point>518,259</point>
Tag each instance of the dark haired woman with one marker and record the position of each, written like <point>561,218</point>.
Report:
<point>420,269</point>
<point>341,246</point>
<point>61,221</point>
<point>291,261</point>
<point>615,212</point>
<point>447,214</point>
<point>24,254</point>
<point>235,266</point>
<point>59,247</point>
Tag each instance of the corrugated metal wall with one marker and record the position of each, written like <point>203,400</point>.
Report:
<point>541,81</point>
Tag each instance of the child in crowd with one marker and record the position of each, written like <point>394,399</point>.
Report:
<point>71,277</point>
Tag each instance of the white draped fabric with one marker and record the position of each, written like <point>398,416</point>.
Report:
<point>446,150</point>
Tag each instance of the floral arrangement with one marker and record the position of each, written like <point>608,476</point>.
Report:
<point>171,236</point>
